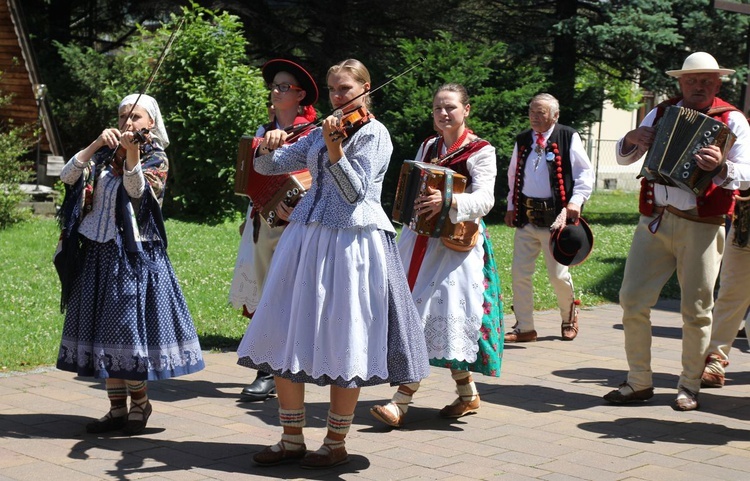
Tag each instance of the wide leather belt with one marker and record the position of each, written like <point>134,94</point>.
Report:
<point>713,220</point>
<point>540,212</point>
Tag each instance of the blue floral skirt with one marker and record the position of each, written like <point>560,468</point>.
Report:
<point>126,319</point>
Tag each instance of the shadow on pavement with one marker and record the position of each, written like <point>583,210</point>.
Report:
<point>140,455</point>
<point>652,431</point>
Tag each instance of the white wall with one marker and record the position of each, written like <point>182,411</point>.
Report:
<point>601,144</point>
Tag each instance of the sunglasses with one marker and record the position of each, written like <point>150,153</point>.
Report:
<point>283,87</point>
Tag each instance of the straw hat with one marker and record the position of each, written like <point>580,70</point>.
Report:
<point>700,62</point>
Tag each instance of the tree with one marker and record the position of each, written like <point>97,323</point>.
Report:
<point>499,90</point>
<point>209,97</point>
<point>15,142</point>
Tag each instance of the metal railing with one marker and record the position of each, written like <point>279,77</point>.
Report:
<point>609,174</point>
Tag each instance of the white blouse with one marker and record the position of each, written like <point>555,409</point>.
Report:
<point>99,225</point>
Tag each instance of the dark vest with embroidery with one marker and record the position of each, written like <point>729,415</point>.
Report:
<point>716,200</point>
<point>557,158</point>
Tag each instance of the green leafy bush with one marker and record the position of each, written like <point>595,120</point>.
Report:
<point>207,93</point>
<point>15,142</point>
<point>210,98</point>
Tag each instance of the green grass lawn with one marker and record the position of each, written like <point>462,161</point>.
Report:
<point>203,256</point>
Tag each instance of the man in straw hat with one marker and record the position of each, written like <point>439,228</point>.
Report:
<point>679,230</point>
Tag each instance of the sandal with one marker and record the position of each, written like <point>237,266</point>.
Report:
<point>106,424</point>
<point>327,456</point>
<point>142,410</point>
<point>385,415</point>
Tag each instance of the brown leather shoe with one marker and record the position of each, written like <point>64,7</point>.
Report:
<point>686,400</point>
<point>625,394</point>
<point>712,379</point>
<point>383,414</point>
<point>271,457</point>
<point>325,457</point>
<point>461,408</point>
<point>569,330</point>
<point>517,336</point>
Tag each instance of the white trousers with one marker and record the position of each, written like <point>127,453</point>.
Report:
<point>694,250</point>
<point>733,299</point>
<point>528,242</point>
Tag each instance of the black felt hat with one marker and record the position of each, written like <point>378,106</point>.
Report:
<point>572,244</point>
<point>305,80</point>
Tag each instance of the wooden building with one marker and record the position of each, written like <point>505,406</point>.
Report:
<point>19,77</point>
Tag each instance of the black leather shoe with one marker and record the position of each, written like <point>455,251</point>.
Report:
<point>106,424</point>
<point>262,388</point>
<point>625,394</point>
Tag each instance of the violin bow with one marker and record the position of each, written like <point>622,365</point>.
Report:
<point>339,112</point>
<point>153,73</point>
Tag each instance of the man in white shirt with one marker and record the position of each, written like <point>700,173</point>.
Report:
<point>549,176</point>
<point>679,230</point>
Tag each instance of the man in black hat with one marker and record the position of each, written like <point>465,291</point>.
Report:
<point>679,231</point>
<point>549,176</point>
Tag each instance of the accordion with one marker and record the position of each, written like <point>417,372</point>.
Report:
<point>267,191</point>
<point>680,133</point>
<point>414,179</point>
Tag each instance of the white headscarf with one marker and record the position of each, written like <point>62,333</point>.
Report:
<point>149,104</point>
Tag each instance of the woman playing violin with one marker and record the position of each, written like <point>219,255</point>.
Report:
<point>336,307</point>
<point>126,320</point>
<point>457,293</point>
<point>292,94</point>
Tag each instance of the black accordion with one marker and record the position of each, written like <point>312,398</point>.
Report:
<point>680,134</point>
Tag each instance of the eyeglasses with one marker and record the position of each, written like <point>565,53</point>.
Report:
<point>283,87</point>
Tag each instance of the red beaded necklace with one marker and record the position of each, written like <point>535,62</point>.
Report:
<point>458,142</point>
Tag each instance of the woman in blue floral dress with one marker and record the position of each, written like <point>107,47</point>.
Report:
<point>126,320</point>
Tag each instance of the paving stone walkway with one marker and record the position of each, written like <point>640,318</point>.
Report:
<point>543,419</point>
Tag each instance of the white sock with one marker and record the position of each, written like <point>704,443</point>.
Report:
<point>290,442</point>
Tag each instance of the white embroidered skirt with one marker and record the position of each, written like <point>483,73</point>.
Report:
<point>449,295</point>
<point>336,309</point>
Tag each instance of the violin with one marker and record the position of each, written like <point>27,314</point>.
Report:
<point>351,122</point>
<point>142,136</point>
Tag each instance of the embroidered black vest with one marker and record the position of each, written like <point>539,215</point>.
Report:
<point>558,164</point>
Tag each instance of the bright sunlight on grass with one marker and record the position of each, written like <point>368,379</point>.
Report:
<point>203,257</point>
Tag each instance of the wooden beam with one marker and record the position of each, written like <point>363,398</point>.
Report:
<point>732,6</point>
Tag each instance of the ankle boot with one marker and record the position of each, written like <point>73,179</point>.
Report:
<point>262,388</point>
